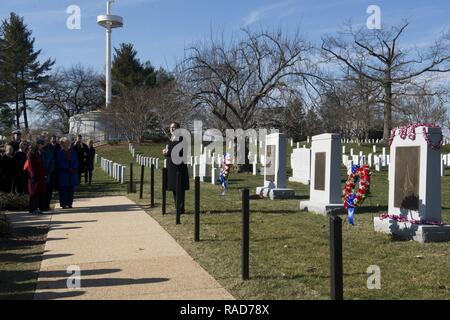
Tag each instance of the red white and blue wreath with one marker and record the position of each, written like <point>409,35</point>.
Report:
<point>360,176</point>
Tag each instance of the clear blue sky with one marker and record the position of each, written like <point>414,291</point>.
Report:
<point>161,29</point>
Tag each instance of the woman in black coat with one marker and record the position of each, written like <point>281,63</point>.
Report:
<point>173,169</point>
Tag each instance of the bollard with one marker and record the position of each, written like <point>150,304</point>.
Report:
<point>197,208</point>
<point>164,187</point>
<point>178,197</point>
<point>245,233</point>
<point>131,178</point>
<point>141,190</point>
<point>336,277</point>
<point>152,186</point>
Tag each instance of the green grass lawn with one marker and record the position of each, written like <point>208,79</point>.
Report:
<point>289,249</point>
<point>20,259</point>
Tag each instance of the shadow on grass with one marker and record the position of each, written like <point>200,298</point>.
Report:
<point>22,250</point>
<point>397,238</point>
<point>256,211</point>
<point>100,189</point>
<point>260,198</point>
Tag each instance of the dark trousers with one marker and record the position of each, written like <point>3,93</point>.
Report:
<point>20,181</point>
<point>88,176</point>
<point>36,202</point>
<point>8,185</point>
<point>48,195</point>
<point>66,196</point>
<point>80,172</point>
<point>181,200</point>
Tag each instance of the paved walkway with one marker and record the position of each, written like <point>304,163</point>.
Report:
<point>122,253</point>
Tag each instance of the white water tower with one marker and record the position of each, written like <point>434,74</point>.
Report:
<point>109,22</point>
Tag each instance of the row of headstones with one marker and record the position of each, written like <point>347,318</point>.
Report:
<point>343,141</point>
<point>131,149</point>
<point>377,161</point>
<point>374,149</point>
<point>148,161</point>
<point>366,141</point>
<point>205,166</point>
<point>113,169</point>
<point>143,160</point>
<point>301,162</point>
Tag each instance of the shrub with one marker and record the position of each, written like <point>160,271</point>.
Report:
<point>13,202</point>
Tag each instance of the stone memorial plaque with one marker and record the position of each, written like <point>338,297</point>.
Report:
<point>270,162</point>
<point>407,169</point>
<point>319,172</point>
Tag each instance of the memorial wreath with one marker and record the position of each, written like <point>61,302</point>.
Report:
<point>360,175</point>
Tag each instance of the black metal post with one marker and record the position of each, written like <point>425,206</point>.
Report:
<point>141,189</point>
<point>131,177</point>
<point>178,197</point>
<point>164,188</point>
<point>197,208</point>
<point>245,234</point>
<point>336,269</point>
<point>152,186</point>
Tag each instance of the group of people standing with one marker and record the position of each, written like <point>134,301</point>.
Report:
<point>40,168</point>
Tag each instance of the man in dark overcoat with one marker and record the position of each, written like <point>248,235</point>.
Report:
<point>173,169</point>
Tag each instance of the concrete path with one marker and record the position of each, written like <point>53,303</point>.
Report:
<point>122,253</point>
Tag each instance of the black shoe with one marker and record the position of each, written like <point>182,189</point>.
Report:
<point>64,207</point>
<point>70,207</point>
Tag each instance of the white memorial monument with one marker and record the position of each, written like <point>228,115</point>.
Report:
<point>275,168</point>
<point>415,189</point>
<point>301,165</point>
<point>325,187</point>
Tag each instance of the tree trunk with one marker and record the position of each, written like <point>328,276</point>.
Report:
<point>17,112</point>
<point>24,103</point>
<point>17,107</point>
<point>387,110</point>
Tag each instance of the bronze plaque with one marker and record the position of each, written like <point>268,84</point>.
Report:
<point>407,170</point>
<point>270,162</point>
<point>319,171</point>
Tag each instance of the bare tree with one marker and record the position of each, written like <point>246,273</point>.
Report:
<point>169,104</point>
<point>236,80</point>
<point>424,102</point>
<point>69,92</point>
<point>142,110</point>
<point>388,64</point>
<point>132,113</point>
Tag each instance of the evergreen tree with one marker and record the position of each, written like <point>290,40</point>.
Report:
<point>129,72</point>
<point>21,71</point>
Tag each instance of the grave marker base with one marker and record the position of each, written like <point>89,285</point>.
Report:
<point>275,193</point>
<point>406,230</point>
<point>322,208</point>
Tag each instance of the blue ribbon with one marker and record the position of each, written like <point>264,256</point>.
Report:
<point>355,167</point>
<point>351,209</point>
<point>351,212</point>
